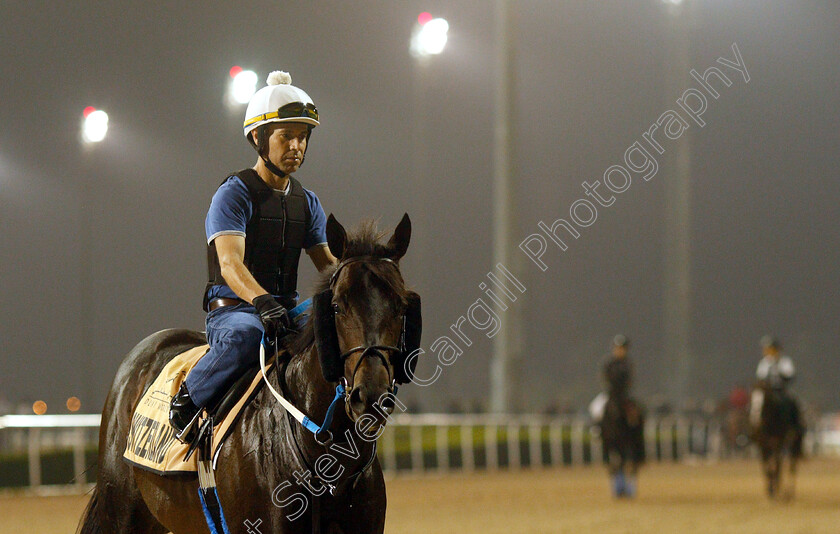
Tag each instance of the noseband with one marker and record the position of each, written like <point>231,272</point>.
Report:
<point>368,351</point>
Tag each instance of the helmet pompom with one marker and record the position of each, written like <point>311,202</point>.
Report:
<point>279,77</point>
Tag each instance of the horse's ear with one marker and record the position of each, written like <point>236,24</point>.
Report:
<point>402,235</point>
<point>336,237</point>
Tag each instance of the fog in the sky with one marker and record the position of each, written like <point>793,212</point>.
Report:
<point>104,245</point>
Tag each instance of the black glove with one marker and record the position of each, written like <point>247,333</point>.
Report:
<point>273,316</point>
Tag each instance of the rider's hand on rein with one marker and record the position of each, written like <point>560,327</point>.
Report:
<point>273,316</point>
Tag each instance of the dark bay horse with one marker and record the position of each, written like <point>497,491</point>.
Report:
<point>779,438</point>
<point>622,435</point>
<point>265,469</point>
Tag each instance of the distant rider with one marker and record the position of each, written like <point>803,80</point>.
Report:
<point>618,374</point>
<point>776,371</point>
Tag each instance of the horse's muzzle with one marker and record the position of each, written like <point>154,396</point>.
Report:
<point>365,400</point>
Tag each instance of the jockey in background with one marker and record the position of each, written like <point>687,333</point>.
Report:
<point>618,371</point>
<point>776,371</point>
<point>623,431</point>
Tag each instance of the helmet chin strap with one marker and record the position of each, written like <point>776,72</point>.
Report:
<point>262,150</point>
<point>272,167</point>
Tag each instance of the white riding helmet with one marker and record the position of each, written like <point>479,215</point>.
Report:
<point>279,101</point>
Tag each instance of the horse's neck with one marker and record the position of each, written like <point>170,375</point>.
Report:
<point>273,433</point>
<point>771,409</point>
<point>306,386</point>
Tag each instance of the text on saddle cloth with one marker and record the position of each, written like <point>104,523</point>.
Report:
<point>151,441</point>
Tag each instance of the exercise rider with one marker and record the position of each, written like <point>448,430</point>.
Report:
<point>258,222</point>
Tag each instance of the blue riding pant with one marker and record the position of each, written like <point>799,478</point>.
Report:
<point>234,334</point>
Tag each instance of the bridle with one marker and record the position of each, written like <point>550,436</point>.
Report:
<point>342,391</point>
<point>368,351</point>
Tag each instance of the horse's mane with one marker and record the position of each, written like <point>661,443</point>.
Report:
<point>364,240</point>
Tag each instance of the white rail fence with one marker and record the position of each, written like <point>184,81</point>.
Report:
<point>420,443</point>
<point>410,443</point>
<point>39,434</point>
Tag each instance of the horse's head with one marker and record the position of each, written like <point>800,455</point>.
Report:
<point>366,322</point>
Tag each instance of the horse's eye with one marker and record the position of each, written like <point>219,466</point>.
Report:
<point>336,308</point>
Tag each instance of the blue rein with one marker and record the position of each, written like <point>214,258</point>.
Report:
<point>300,308</point>
<point>313,427</point>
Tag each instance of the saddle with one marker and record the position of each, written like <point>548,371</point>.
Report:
<point>151,443</point>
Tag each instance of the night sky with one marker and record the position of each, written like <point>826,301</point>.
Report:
<point>104,245</point>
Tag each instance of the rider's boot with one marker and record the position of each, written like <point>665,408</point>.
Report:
<point>184,415</point>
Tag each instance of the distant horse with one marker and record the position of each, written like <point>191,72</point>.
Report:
<point>264,463</point>
<point>779,438</point>
<point>622,435</point>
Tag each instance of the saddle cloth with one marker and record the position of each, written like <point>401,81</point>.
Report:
<point>151,440</point>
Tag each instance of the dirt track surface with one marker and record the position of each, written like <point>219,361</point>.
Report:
<point>718,498</point>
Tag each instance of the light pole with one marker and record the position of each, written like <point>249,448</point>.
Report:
<point>507,344</point>
<point>428,39</point>
<point>94,129</point>
<point>677,283</point>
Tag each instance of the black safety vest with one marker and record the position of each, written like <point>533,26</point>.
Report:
<point>274,237</point>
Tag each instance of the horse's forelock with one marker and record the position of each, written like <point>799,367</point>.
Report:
<point>365,240</point>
